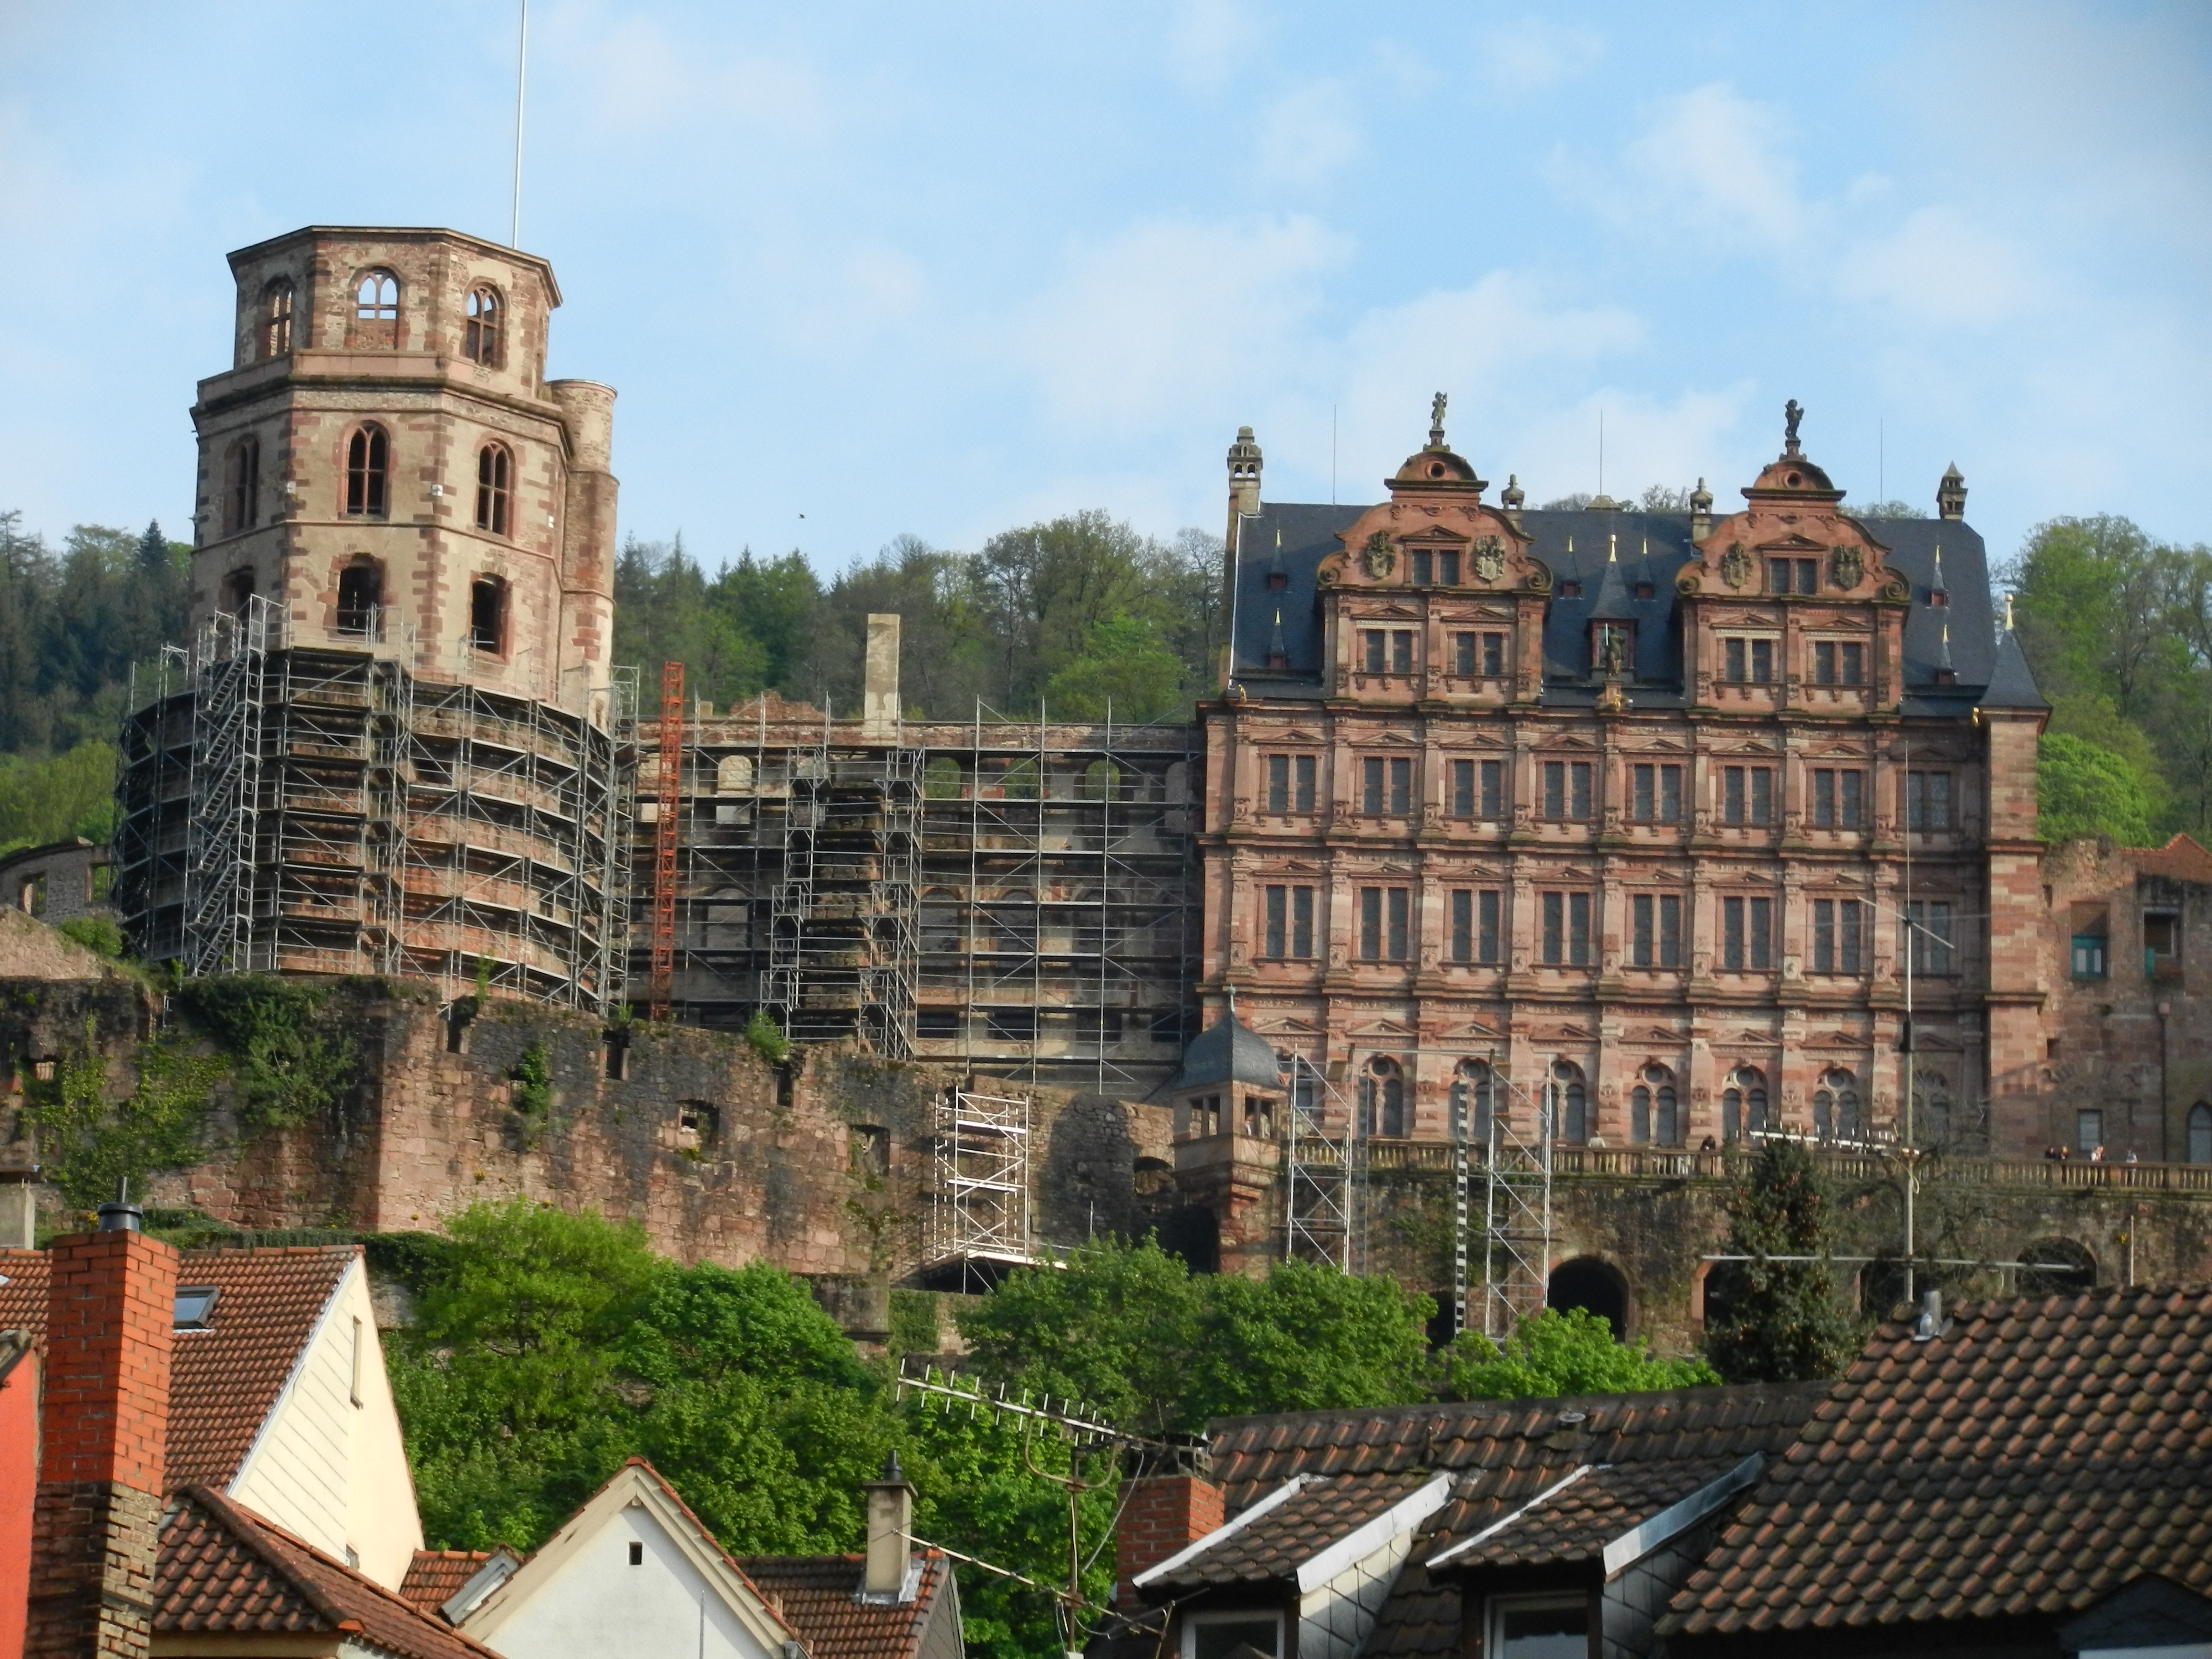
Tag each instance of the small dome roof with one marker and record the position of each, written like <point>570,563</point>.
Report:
<point>1229,1051</point>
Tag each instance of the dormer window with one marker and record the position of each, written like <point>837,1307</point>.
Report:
<point>1793,575</point>
<point>194,1307</point>
<point>1571,590</point>
<point>1645,590</point>
<point>1278,581</point>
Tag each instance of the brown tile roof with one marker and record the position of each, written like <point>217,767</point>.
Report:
<point>222,1381</point>
<point>814,1594</point>
<point>224,1570</point>
<point>2031,1459</point>
<point>2182,859</point>
<point>1293,1531</point>
<point>434,1575</point>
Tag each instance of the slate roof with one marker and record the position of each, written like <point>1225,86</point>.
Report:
<point>2031,1459</point>
<point>434,1575</point>
<point>1226,1051</point>
<point>1652,547</point>
<point>815,1596</point>
<point>1294,1531</point>
<point>223,1380</point>
<point>2012,682</point>
<point>222,1569</point>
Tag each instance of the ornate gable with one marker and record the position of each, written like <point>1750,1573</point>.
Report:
<point>1436,505</point>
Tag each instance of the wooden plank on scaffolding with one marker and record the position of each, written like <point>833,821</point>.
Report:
<point>663,846</point>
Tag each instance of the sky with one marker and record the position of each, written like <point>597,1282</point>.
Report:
<point>861,271</point>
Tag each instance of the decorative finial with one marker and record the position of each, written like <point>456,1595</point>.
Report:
<point>1792,412</point>
<point>1436,422</point>
<point>1612,549</point>
<point>1514,494</point>
<point>2007,613</point>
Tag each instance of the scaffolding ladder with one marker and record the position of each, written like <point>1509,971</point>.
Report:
<point>980,1209</point>
<point>615,848</point>
<point>230,669</point>
<point>1516,1217</point>
<point>1323,1184</point>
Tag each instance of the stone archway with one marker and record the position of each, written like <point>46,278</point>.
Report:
<point>1590,1283</point>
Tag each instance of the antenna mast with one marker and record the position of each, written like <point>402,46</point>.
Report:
<point>521,75</point>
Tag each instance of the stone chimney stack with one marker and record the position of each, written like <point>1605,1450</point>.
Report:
<point>890,1520</point>
<point>1701,512</point>
<point>1951,494</point>
<point>879,685</point>
<point>111,1308</point>
<point>1162,1514</point>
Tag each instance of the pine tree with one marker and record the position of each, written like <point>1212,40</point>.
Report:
<point>1782,1323</point>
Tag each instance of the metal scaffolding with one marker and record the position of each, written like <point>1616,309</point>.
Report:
<point>979,1221</point>
<point>1324,1174</point>
<point>230,662</point>
<point>1516,1216</point>
<point>668,803</point>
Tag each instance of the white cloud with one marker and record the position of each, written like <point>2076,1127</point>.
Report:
<point>1533,53</point>
<point>1713,161</point>
<point>631,75</point>
<point>1208,41</point>
<point>1309,133</point>
<point>1940,270</point>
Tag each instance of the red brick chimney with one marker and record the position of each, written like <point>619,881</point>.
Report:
<point>111,1308</point>
<point>1161,1514</point>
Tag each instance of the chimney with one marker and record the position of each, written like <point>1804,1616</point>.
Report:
<point>1701,512</point>
<point>890,1520</point>
<point>1162,1515</point>
<point>111,1306</point>
<point>1951,494</point>
<point>879,687</point>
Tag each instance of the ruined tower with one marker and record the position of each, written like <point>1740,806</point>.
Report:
<point>391,745</point>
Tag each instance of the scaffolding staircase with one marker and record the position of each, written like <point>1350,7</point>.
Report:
<point>979,1221</point>
<point>1517,1210</point>
<point>229,673</point>
<point>1323,1174</point>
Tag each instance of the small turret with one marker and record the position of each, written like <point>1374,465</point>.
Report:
<point>1511,498</point>
<point>1701,512</point>
<point>1951,494</point>
<point>1244,463</point>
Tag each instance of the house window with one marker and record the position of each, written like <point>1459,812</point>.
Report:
<point>194,1308</point>
<point>1747,934</point>
<point>1656,793</point>
<point>1743,1103</point>
<point>241,485</point>
<point>1653,1115</point>
<point>1839,662</point>
<point>1747,794</point>
<point>487,614</point>
<point>1567,929</point>
<point>1424,572</point>
<point>1474,914</point>
<point>1793,575</point>
<point>1569,1103</point>
<point>1927,924</point>
<point>1838,936</point>
<point>480,336</point>
<point>1387,650</point>
<point>1747,660</point>
<point>494,466</point>
<point>1482,655</point>
<point>1287,922</point>
<point>1383,914</point>
<point>1566,790</point>
<point>1386,785</point>
<point>1383,1099</point>
<point>1290,783</point>
<point>361,597</point>
<point>2089,1130</point>
<point>1927,800</point>
<point>2161,933</point>
<point>1655,930</point>
<point>1838,798</point>
<point>1836,1107</point>
<point>376,298</point>
<point>276,329</point>
<point>369,460</point>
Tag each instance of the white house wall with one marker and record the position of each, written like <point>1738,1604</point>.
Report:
<point>332,1471</point>
<point>1334,1618</point>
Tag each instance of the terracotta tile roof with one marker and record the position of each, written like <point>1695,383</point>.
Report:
<point>1293,1531</point>
<point>434,1575</point>
<point>1578,1521</point>
<point>222,1381</point>
<point>2182,859</point>
<point>224,1570</point>
<point>2031,1459</point>
<point>814,1594</point>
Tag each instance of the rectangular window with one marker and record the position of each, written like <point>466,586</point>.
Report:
<point>1762,794</point>
<point>1384,914</point>
<point>1927,800</point>
<point>1402,652</point>
<point>1488,907</point>
<point>1402,788</point>
<point>1927,925</point>
<point>1370,924</point>
<point>1578,929</point>
<point>1578,789</point>
<point>1777,575</point>
<point>1302,923</point>
<point>1824,662</point>
<point>1800,575</point>
<point>1462,788</point>
<point>1656,794</point>
<point>1838,936</point>
<point>1748,659</point>
<point>1275,928</point>
<point>1838,798</point>
<point>1567,789</point>
<point>1854,663</point>
<point>1732,795</point>
<point>1493,656</point>
<point>1762,661</point>
<point>2088,1129</point>
<point>1494,791</point>
<point>1747,794</point>
<point>2092,936</point>
<point>1670,930</point>
<point>1553,910</point>
<point>1375,644</point>
<point>1644,930</point>
<point>1555,789</point>
<point>1463,925</point>
<point>1301,774</point>
<point>1747,934</point>
<point>1424,572</point>
<point>1448,569</point>
<point>1279,783</point>
<point>1732,956</point>
<point>1734,664</point>
<point>1397,910</point>
<point>1370,784</point>
<point>1463,654</point>
<point>1839,662</point>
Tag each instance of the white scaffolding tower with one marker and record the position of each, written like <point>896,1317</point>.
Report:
<point>979,1214</point>
<point>1517,1213</point>
<point>227,672</point>
<point>1323,1174</point>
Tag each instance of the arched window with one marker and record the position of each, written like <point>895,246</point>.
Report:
<point>277,318</point>
<point>487,614</point>
<point>493,465</point>
<point>2200,1133</point>
<point>238,589</point>
<point>2057,1266</point>
<point>1102,780</point>
<point>1570,1103</point>
<point>376,298</point>
<point>1652,1114</point>
<point>1931,1108</point>
<point>1836,1107</point>
<point>1474,1098</point>
<point>361,598</point>
<point>481,336</point>
<point>733,775</point>
<point>1021,780</point>
<point>1383,1099</point>
<point>369,460</point>
<point>1743,1103</point>
<point>241,485</point>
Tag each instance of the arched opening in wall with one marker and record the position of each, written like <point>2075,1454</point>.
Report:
<point>1835,1107</point>
<point>1743,1103</point>
<point>1102,780</point>
<point>368,463</point>
<point>1021,780</point>
<point>241,485</point>
<point>481,333</point>
<point>276,327</point>
<point>2200,1133</point>
<point>1722,1289</point>
<point>1194,1235</point>
<point>1568,1102</point>
<point>1383,1099</point>
<point>238,591</point>
<point>1474,1098</point>
<point>940,779</point>
<point>733,775</point>
<point>1652,1113</point>
<point>488,615</point>
<point>2057,1266</point>
<point>375,322</point>
<point>360,599</point>
<point>494,479</point>
<point>1591,1284</point>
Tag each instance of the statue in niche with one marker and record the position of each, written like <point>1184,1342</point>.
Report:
<point>1376,558</point>
<point>1615,654</point>
<point>1735,565</point>
<point>1488,560</point>
<point>1846,565</point>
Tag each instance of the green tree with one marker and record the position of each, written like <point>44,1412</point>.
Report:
<point>52,797</point>
<point>2083,790</point>
<point>1125,672</point>
<point>1782,1323</point>
<point>1554,1353</point>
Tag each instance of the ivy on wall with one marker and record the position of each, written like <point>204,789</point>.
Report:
<point>288,1073</point>
<point>90,1146</point>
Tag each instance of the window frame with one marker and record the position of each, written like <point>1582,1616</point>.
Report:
<point>378,308</point>
<point>483,338</point>
<point>494,514</point>
<point>368,480</point>
<point>274,318</point>
<point>241,484</point>
<point>1931,801</point>
<point>1495,1607</point>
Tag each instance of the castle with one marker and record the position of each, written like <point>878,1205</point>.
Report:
<point>1632,835</point>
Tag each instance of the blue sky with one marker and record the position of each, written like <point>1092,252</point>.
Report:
<point>944,270</point>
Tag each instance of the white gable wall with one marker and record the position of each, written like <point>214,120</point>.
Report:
<point>333,1471</point>
<point>599,1604</point>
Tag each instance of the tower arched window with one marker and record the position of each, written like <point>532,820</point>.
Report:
<point>1570,1102</point>
<point>488,615</point>
<point>238,591</point>
<point>1743,1103</point>
<point>241,485</point>
<point>494,468</point>
<point>1383,1099</point>
<point>369,465</point>
<point>1653,1117</point>
<point>1473,1099</point>
<point>276,329</point>
<point>482,334</point>
<point>360,599</point>
<point>376,297</point>
<point>1835,1107</point>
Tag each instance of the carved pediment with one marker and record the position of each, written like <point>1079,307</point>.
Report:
<point>1291,1027</point>
<point>1383,1028</point>
<point>1384,613</point>
<point>1796,542</point>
